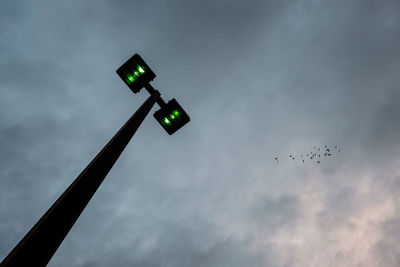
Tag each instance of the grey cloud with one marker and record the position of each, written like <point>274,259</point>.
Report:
<point>388,248</point>
<point>258,78</point>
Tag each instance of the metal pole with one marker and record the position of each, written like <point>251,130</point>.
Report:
<point>153,91</point>
<point>42,241</point>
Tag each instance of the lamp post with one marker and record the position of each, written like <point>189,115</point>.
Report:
<point>38,246</point>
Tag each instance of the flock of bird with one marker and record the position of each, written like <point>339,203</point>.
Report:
<point>316,154</point>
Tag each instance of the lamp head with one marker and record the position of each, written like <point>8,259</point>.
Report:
<point>136,73</point>
<point>171,116</point>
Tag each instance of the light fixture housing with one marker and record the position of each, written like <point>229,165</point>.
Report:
<point>171,116</point>
<point>135,73</point>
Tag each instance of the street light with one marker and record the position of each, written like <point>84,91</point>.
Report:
<point>38,246</point>
<point>172,116</point>
<point>137,74</point>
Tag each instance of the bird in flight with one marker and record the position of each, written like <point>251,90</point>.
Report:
<point>329,151</point>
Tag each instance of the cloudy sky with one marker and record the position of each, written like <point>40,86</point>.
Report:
<point>259,79</point>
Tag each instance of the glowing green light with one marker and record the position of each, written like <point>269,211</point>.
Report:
<point>131,79</point>
<point>174,115</point>
<point>167,122</point>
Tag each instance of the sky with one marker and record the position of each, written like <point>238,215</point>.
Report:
<point>259,79</point>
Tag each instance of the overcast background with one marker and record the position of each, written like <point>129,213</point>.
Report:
<point>259,79</point>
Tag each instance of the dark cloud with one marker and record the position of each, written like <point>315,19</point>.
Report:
<point>259,79</point>
<point>385,122</point>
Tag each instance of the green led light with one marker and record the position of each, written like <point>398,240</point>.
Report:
<point>130,78</point>
<point>167,122</point>
<point>174,115</point>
